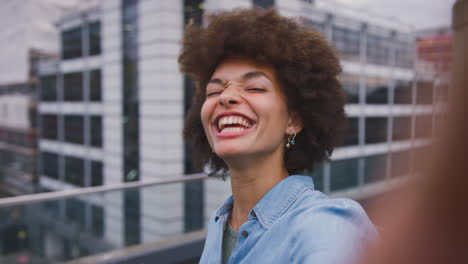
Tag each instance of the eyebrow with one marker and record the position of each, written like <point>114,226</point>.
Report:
<point>245,77</point>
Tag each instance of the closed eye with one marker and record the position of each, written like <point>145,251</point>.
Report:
<point>256,90</point>
<point>212,93</point>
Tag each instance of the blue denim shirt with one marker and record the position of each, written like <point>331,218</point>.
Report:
<point>293,223</point>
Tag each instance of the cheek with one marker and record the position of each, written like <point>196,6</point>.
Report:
<point>205,113</point>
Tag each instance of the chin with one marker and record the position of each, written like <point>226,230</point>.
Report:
<point>227,152</point>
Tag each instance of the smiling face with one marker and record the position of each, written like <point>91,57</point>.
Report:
<point>245,113</point>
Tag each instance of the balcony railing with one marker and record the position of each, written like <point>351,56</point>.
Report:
<point>66,225</point>
<point>139,222</point>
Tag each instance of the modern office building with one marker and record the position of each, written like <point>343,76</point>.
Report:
<point>29,35</point>
<point>112,107</point>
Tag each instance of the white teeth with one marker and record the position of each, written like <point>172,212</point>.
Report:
<point>232,129</point>
<point>229,120</point>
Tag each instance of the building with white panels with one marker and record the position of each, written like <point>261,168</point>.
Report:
<point>29,35</point>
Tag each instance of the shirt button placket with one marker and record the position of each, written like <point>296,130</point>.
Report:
<point>245,233</point>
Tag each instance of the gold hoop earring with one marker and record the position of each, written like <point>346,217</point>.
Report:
<point>291,140</point>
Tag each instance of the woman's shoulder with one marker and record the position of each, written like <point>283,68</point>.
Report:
<point>329,225</point>
<point>314,208</point>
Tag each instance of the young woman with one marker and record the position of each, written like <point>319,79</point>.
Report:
<point>268,106</point>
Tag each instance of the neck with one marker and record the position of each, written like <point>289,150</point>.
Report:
<point>251,182</point>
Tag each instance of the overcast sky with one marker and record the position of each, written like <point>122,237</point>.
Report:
<point>419,13</point>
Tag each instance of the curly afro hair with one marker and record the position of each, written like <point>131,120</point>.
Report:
<point>304,62</point>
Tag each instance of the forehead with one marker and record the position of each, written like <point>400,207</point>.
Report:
<point>234,69</point>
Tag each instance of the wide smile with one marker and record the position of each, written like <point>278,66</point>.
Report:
<point>230,125</point>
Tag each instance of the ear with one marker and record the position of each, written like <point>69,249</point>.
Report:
<point>295,124</point>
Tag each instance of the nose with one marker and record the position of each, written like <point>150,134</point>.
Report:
<point>230,96</point>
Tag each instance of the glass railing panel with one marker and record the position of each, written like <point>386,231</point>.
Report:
<point>59,230</point>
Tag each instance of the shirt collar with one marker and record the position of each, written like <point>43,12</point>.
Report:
<point>277,201</point>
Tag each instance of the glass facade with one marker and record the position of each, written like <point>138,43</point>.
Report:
<point>96,131</point>
<point>193,191</point>
<point>424,92</point>
<point>350,84</point>
<point>74,129</point>
<point>130,124</point>
<point>73,86</point>
<point>130,90</point>
<point>264,3</point>
<point>49,125</point>
<point>75,212</point>
<point>98,223</point>
<point>49,164</point>
<point>343,174</point>
<point>352,132</point>
<point>74,171</point>
<point>403,92</point>
<point>377,90</point>
<point>401,128</point>
<point>378,50</point>
<point>48,88</point>
<point>72,43</point>
<point>347,41</point>
<point>94,29</point>
<point>95,86</point>
<point>404,54</point>
<point>376,130</point>
<point>96,173</point>
<point>375,168</point>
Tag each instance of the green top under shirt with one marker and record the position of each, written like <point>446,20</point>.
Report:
<point>229,242</point>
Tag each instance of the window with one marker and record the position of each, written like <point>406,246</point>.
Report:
<point>49,164</point>
<point>401,163</point>
<point>74,171</point>
<point>424,93</point>
<point>375,168</point>
<point>49,88</point>
<point>72,43</point>
<point>376,130</point>
<point>75,212</point>
<point>352,133</point>
<point>403,92</point>
<point>49,126</point>
<point>376,91</point>
<point>97,225</point>
<point>96,173</point>
<point>264,3</point>
<point>95,38</point>
<point>52,207</point>
<point>378,51</point>
<point>401,128</point>
<point>404,54</point>
<point>351,86</point>
<point>130,89</point>
<point>74,125</point>
<point>423,125</point>
<point>73,86</point>
<point>347,41</point>
<point>343,174</point>
<point>96,131</point>
<point>95,86</point>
